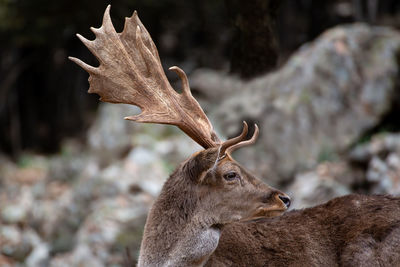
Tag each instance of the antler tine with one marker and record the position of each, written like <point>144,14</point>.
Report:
<point>184,79</point>
<point>251,141</point>
<point>130,72</point>
<point>234,140</point>
<point>83,65</point>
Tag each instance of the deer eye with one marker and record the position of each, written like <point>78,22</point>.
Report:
<point>231,176</point>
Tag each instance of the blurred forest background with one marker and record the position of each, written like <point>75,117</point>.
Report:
<point>320,78</point>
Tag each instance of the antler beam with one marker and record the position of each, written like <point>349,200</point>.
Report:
<point>130,72</point>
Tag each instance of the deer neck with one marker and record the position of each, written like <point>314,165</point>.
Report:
<point>178,231</point>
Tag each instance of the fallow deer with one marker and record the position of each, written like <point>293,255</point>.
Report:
<point>208,190</point>
<point>210,193</point>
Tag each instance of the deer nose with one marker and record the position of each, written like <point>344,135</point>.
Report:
<point>285,199</point>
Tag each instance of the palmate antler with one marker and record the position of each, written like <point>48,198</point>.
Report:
<point>130,72</point>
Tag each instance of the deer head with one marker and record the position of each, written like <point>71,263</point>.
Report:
<point>210,188</point>
<point>227,188</point>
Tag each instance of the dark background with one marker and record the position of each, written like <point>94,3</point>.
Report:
<point>43,95</point>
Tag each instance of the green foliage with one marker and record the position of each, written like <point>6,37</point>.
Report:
<point>25,161</point>
<point>327,154</point>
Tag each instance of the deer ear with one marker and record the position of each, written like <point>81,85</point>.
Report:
<point>199,166</point>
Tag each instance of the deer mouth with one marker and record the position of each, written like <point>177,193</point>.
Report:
<point>267,212</point>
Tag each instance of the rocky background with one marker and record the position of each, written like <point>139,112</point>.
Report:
<point>329,118</point>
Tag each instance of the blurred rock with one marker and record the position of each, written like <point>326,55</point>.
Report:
<point>372,168</point>
<point>13,214</point>
<point>384,175</point>
<point>82,256</point>
<point>39,256</point>
<point>20,245</point>
<point>68,166</point>
<point>379,145</point>
<point>6,261</point>
<point>110,132</point>
<point>146,166</point>
<point>327,181</point>
<point>214,84</point>
<point>328,93</point>
<point>381,156</point>
<point>15,205</point>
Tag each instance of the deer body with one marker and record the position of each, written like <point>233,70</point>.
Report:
<point>354,230</point>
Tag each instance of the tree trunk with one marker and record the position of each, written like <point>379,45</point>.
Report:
<point>255,49</point>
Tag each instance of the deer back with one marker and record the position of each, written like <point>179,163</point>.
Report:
<point>354,230</point>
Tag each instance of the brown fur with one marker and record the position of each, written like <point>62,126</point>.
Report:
<point>354,230</point>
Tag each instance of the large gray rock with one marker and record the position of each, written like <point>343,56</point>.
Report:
<point>321,101</point>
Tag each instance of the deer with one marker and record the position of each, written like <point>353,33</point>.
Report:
<point>207,191</point>
<point>211,211</point>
